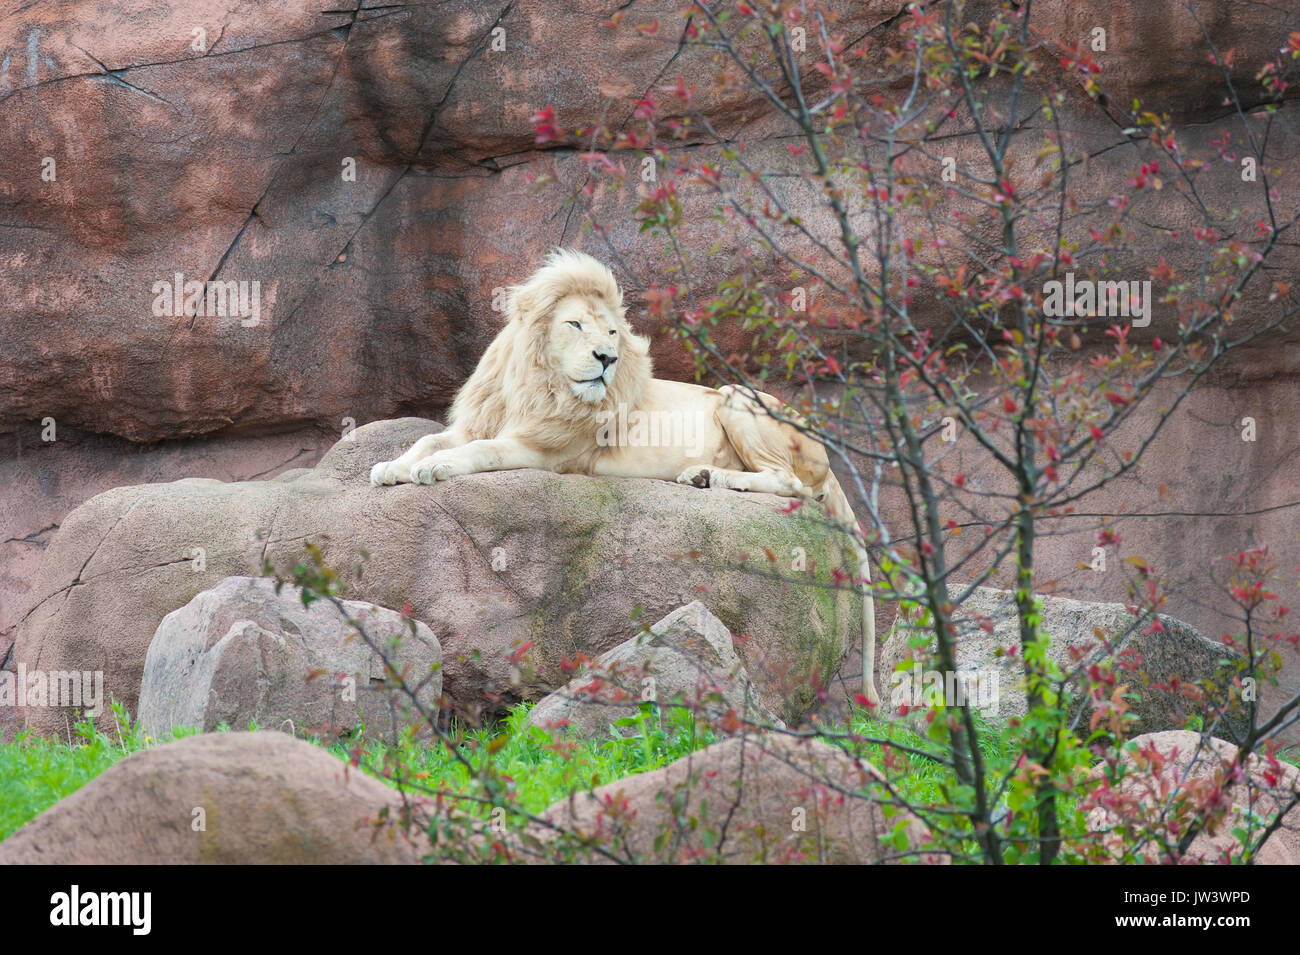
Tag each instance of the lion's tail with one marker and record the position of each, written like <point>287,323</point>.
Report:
<point>837,507</point>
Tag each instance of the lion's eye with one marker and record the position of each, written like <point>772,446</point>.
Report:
<point>613,331</point>
<point>577,325</point>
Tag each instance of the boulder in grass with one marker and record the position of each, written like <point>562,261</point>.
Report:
<point>1161,668</point>
<point>771,798</point>
<point>242,653</point>
<point>1173,780</point>
<point>686,658</point>
<point>225,798</point>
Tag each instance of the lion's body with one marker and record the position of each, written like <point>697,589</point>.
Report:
<point>524,407</point>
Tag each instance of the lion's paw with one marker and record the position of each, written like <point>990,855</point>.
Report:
<point>382,474</point>
<point>433,469</point>
<point>697,476</point>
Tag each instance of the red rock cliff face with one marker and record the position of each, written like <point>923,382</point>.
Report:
<point>222,155</point>
<point>141,141</point>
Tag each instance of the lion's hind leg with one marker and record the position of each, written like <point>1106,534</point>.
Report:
<point>769,446</point>
<point>761,482</point>
<point>772,453</point>
<point>767,443</point>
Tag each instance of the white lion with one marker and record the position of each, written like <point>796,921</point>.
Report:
<point>558,385</point>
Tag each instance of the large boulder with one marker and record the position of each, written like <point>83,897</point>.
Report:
<point>241,652</point>
<point>768,798</point>
<point>224,798</point>
<point>686,658</point>
<point>1173,780</point>
<point>1161,668</point>
<point>515,572</point>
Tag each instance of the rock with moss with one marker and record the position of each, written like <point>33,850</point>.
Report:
<point>515,572</point>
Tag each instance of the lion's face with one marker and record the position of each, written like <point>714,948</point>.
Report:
<point>583,345</point>
<point>565,355</point>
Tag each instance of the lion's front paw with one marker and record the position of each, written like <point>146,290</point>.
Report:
<point>382,473</point>
<point>433,469</point>
<point>697,476</point>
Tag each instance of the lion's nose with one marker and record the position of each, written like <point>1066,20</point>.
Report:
<point>605,360</point>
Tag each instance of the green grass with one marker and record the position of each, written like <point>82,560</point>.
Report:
<point>35,773</point>
<point>526,756</point>
<point>925,778</point>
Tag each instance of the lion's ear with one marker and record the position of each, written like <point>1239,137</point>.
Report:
<point>519,303</point>
<point>637,343</point>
